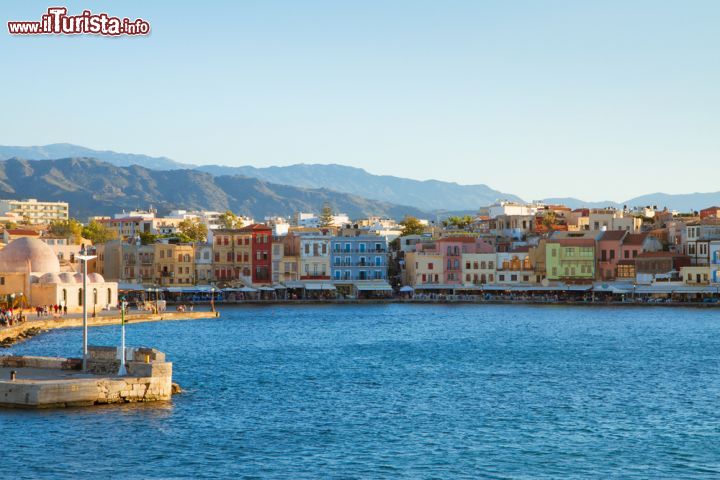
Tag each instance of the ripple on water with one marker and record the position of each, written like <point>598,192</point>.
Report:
<point>393,391</point>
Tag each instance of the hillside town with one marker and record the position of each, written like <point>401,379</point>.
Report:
<point>506,251</point>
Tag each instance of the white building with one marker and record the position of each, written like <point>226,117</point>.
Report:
<point>35,212</point>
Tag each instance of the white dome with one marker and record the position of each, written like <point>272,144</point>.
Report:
<point>50,278</point>
<point>67,277</point>
<point>28,255</point>
<point>95,278</point>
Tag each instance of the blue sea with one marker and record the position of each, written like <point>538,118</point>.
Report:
<point>397,391</point>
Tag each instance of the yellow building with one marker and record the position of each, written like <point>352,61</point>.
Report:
<point>479,268</point>
<point>174,263</point>
<point>570,256</point>
<point>696,275</point>
<point>232,251</point>
<point>424,268</point>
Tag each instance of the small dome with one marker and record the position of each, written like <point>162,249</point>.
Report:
<point>95,278</point>
<point>78,277</point>
<point>50,278</point>
<point>34,279</point>
<point>28,254</point>
<point>67,277</point>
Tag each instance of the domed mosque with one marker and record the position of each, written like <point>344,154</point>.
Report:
<point>30,270</point>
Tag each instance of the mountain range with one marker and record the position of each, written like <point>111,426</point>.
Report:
<point>360,187</point>
<point>93,187</point>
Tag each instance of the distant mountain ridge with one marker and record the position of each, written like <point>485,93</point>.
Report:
<point>67,150</point>
<point>93,187</point>
<point>431,196</point>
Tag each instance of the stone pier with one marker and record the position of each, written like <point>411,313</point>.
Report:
<point>47,382</point>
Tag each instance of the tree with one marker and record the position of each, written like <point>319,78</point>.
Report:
<point>228,220</point>
<point>10,225</point>
<point>459,222</point>
<point>70,228</point>
<point>549,219</point>
<point>147,238</point>
<point>98,233</point>
<point>193,229</point>
<point>412,226</point>
<point>326,216</point>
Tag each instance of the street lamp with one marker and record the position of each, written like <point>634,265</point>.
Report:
<point>94,301</point>
<point>212,299</point>
<point>84,259</point>
<point>123,305</point>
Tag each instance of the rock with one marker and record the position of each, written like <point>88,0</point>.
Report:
<point>176,389</point>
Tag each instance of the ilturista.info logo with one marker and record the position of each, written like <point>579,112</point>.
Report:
<point>57,22</point>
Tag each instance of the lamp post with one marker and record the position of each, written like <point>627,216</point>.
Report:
<point>157,295</point>
<point>212,299</point>
<point>94,302</point>
<point>84,259</point>
<point>123,305</point>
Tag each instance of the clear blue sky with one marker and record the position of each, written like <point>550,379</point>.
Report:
<point>594,99</point>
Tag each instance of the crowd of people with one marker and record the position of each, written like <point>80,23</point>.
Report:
<point>9,317</point>
<point>47,310</point>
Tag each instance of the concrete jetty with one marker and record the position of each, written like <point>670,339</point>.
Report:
<point>9,334</point>
<point>50,382</point>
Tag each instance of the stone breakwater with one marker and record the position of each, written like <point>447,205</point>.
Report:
<point>46,382</point>
<point>10,335</point>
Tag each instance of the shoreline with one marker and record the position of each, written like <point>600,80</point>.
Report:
<point>382,301</point>
<point>32,326</point>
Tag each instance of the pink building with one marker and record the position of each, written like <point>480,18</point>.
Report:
<point>451,249</point>
<point>609,252</point>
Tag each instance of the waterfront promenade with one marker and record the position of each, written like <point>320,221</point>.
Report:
<point>35,324</point>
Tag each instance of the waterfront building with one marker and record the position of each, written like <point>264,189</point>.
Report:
<point>261,253</point>
<point>31,275</point>
<point>479,268</point>
<point>651,266</point>
<point>35,212</point>
<point>231,255</point>
<point>514,266</point>
<point>174,264</point>
<point>315,257</point>
<point>424,268</point>
<point>288,266</point>
<point>715,261</point>
<point>695,274</point>
<point>126,262</point>
<point>362,257</point>
<point>570,256</point>
<point>609,253</point>
<point>203,263</point>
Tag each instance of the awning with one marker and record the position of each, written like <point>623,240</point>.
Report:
<point>294,284</point>
<point>373,287</point>
<point>130,286</point>
<point>319,286</point>
<point>267,289</point>
<point>407,288</point>
<point>247,289</point>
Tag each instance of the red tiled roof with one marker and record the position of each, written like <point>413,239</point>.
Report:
<point>520,249</point>
<point>635,239</point>
<point>22,231</point>
<point>613,235</point>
